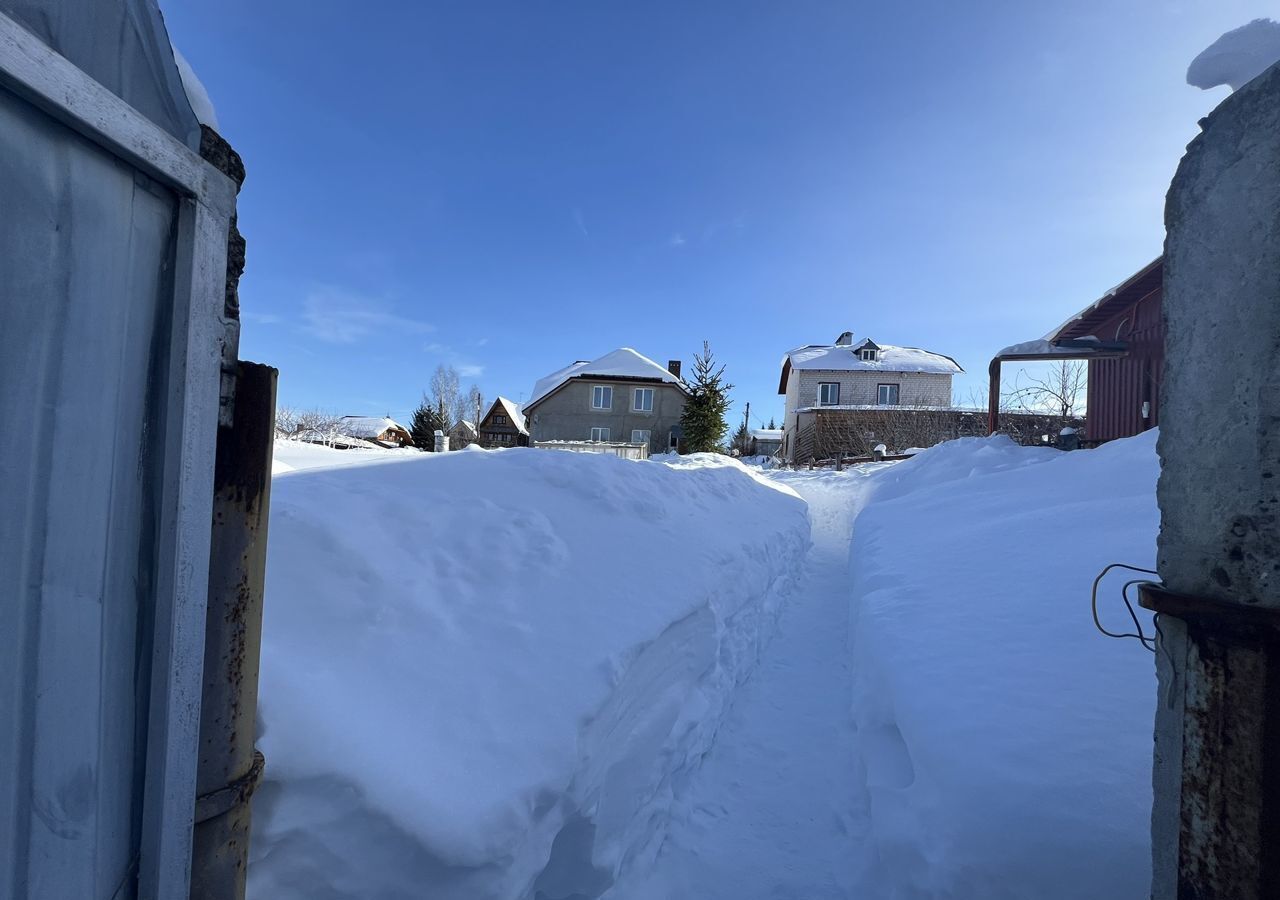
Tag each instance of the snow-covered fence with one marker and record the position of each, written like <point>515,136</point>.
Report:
<point>625,451</point>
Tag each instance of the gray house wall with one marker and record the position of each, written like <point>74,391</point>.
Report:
<point>566,414</point>
<point>860,388</point>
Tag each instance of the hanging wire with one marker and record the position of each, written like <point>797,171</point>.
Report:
<point>1139,633</point>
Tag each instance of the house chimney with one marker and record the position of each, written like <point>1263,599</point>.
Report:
<point>673,366</point>
<point>845,340</point>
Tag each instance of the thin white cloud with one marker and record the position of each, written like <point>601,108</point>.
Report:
<point>470,370</point>
<point>677,240</point>
<point>258,318</point>
<point>340,317</point>
<point>580,222</point>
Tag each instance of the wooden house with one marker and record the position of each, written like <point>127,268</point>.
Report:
<point>503,426</point>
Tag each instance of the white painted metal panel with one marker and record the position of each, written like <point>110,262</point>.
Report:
<point>112,263</point>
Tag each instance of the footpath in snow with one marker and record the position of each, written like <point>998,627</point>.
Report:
<point>937,716</point>
<point>529,675</point>
<point>777,810</point>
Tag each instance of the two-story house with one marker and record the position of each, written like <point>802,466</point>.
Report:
<point>832,384</point>
<point>622,397</point>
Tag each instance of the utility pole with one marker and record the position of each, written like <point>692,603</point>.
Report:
<point>1216,818</point>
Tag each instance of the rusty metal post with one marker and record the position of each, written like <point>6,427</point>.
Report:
<point>229,767</point>
<point>993,396</point>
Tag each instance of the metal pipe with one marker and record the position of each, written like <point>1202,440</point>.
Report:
<point>229,766</point>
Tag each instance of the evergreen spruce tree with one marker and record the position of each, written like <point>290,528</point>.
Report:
<point>703,421</point>
<point>771,425</point>
<point>742,439</point>
<point>425,423</point>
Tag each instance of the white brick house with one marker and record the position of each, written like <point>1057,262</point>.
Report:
<point>862,375</point>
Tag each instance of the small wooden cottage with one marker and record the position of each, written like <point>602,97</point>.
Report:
<point>503,426</point>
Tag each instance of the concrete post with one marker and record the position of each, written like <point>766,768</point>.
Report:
<point>229,768</point>
<point>1216,820</point>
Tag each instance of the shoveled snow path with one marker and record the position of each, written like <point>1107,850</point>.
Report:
<point>777,810</point>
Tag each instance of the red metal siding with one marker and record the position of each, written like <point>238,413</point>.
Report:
<point>1119,387</point>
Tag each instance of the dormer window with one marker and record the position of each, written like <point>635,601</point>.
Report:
<point>869,354</point>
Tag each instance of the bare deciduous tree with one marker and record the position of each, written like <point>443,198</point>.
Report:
<point>446,396</point>
<point>1059,392</point>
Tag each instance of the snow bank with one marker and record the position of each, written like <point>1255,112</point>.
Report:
<point>1006,743</point>
<point>485,674</point>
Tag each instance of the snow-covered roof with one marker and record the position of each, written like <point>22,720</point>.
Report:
<point>1147,279</point>
<point>333,439</point>
<point>514,413</point>
<point>1043,347</point>
<point>846,358</point>
<point>621,363</point>
<point>767,434</point>
<point>367,426</point>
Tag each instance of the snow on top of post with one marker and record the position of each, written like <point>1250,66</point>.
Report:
<point>1238,57</point>
<point>197,96</point>
<point>621,363</point>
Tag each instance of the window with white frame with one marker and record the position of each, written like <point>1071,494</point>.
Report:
<point>599,434</point>
<point>602,397</point>
<point>642,400</point>
<point>828,393</point>
<point>887,394</point>
<point>869,355</point>
<point>640,436</point>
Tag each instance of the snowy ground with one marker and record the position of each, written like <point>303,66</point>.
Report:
<point>777,810</point>
<point>485,675</point>
<point>933,716</point>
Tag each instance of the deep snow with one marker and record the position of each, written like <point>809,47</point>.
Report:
<point>1006,744</point>
<point>935,715</point>
<point>485,674</point>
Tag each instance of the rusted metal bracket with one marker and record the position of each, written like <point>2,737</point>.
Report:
<point>1216,618</point>
<point>1227,656</point>
<point>222,801</point>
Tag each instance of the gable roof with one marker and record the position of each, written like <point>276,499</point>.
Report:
<point>623,363</point>
<point>513,411</point>
<point>845,358</point>
<point>367,426</point>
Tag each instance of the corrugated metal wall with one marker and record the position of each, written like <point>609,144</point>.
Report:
<point>1119,387</point>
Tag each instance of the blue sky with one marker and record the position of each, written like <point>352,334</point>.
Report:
<point>508,187</point>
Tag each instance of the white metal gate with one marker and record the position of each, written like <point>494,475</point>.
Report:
<point>112,267</point>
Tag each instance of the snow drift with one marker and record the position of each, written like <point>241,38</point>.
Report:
<point>484,675</point>
<point>1006,744</point>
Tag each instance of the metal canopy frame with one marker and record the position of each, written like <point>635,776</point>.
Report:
<point>206,201</point>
